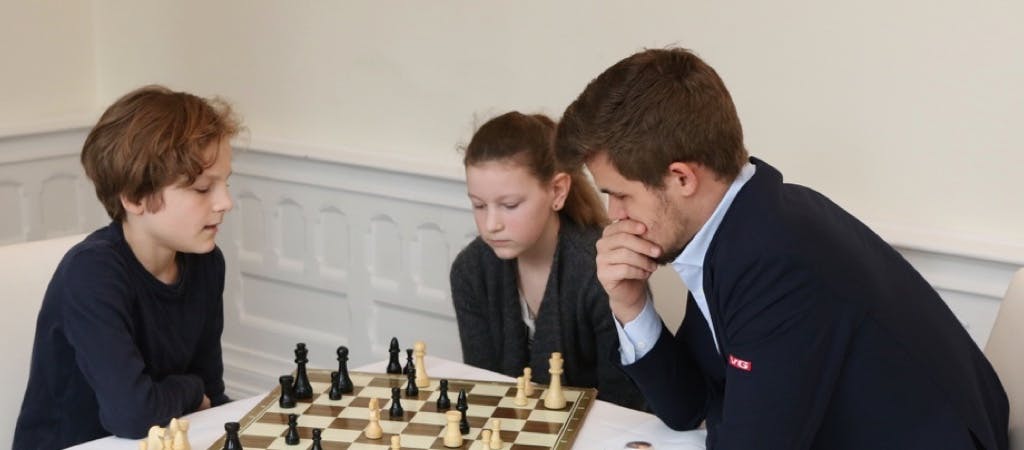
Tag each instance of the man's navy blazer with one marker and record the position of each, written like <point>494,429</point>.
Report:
<point>828,339</point>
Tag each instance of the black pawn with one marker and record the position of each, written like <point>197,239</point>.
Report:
<point>292,437</point>
<point>462,405</point>
<point>396,403</point>
<point>393,365</point>
<point>443,403</point>
<point>335,392</point>
<point>409,366</point>
<point>344,382</point>
<point>231,441</point>
<point>316,439</point>
<point>410,389</point>
<point>303,390</point>
<point>287,399</point>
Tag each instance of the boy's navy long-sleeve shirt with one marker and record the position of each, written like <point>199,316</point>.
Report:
<point>116,350</point>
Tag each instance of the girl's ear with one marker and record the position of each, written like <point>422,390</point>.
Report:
<point>560,185</point>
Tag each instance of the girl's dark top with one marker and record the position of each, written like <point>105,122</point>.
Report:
<point>574,317</point>
<point>116,350</point>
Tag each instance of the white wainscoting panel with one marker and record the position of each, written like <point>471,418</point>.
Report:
<point>334,254</point>
<point>44,192</point>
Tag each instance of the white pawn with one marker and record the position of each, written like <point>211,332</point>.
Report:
<point>396,442</point>
<point>527,375</point>
<point>452,435</point>
<point>419,350</point>
<point>495,442</point>
<point>181,436</point>
<point>373,429</point>
<point>485,438</point>
<point>520,392</point>
<point>180,441</point>
<point>555,398</point>
<point>155,438</point>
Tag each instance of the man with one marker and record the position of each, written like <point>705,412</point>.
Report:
<point>803,329</point>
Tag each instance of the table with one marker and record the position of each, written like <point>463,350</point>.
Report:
<point>608,426</point>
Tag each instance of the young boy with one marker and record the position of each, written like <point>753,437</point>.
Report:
<point>128,335</point>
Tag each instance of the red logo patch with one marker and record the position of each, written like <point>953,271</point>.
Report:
<point>740,364</point>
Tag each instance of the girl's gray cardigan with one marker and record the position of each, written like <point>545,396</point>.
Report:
<point>574,317</point>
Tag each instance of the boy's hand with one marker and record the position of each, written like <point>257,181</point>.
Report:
<point>205,404</point>
<point>624,263</point>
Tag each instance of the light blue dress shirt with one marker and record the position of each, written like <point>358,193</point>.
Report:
<point>638,336</point>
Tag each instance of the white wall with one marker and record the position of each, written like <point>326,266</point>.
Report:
<point>48,76</point>
<point>907,113</point>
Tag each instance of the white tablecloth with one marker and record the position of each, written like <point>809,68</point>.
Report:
<point>607,427</point>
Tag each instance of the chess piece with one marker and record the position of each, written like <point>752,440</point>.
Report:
<point>495,442</point>
<point>554,398</point>
<point>180,442</point>
<point>422,380</point>
<point>520,392</point>
<point>373,429</point>
<point>344,381</point>
<point>287,399</point>
<point>452,432</point>
<point>302,390</point>
<point>462,405</point>
<point>393,350</point>
<point>527,377</point>
<point>231,441</point>
<point>334,393</point>
<point>181,436</point>
<point>155,438</point>
<point>143,445</point>
<point>396,442</point>
<point>292,436</point>
<point>396,403</point>
<point>409,366</point>
<point>316,439</point>
<point>171,429</point>
<point>485,438</point>
<point>443,402</point>
<point>410,389</point>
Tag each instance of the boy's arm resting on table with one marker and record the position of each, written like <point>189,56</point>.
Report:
<point>471,315</point>
<point>209,359</point>
<point>98,326</point>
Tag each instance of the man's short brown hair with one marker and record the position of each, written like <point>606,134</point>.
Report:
<point>149,139</point>
<point>651,109</point>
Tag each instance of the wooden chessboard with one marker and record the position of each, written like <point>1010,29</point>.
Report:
<point>530,427</point>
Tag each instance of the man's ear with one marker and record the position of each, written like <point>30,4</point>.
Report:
<point>133,208</point>
<point>560,185</point>
<point>682,176</point>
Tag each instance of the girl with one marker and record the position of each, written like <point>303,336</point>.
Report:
<point>527,285</point>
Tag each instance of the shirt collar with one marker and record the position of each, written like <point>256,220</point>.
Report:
<point>693,254</point>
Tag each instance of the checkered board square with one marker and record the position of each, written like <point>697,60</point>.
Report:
<point>530,427</point>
